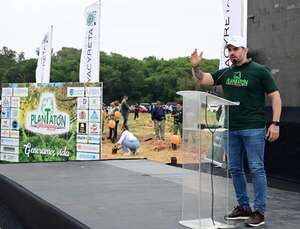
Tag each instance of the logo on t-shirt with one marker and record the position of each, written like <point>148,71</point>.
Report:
<point>237,80</point>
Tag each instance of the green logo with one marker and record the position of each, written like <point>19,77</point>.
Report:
<point>237,80</point>
<point>47,119</point>
<point>91,18</point>
<point>47,105</point>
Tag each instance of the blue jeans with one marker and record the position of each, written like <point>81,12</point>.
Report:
<point>133,145</point>
<point>125,120</point>
<point>252,142</point>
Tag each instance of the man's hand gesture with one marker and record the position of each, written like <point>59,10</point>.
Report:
<point>272,133</point>
<point>195,58</point>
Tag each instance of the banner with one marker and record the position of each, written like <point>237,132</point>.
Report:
<point>51,122</point>
<point>42,73</point>
<point>235,24</point>
<point>90,54</point>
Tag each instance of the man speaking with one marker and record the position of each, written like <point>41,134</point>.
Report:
<point>246,82</point>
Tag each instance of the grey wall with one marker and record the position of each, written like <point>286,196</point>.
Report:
<point>274,40</point>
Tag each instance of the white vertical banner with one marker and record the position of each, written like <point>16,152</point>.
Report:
<point>90,54</point>
<point>42,72</point>
<point>235,24</point>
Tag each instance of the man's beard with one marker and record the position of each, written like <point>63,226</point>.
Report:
<point>236,61</point>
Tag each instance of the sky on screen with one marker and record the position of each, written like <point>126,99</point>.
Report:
<point>134,28</point>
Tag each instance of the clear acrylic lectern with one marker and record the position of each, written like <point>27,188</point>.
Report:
<point>207,188</point>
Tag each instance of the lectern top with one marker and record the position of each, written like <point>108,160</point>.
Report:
<point>211,99</point>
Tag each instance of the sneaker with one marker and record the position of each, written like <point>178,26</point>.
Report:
<point>239,213</point>
<point>256,219</point>
<point>133,151</point>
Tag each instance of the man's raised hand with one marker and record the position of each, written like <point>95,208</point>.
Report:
<point>195,58</point>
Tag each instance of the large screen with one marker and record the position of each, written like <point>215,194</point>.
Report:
<point>51,122</point>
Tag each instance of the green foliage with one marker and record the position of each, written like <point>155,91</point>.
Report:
<point>144,80</point>
<point>7,61</point>
<point>55,143</point>
<point>65,65</point>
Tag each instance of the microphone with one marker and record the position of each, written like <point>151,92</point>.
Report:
<point>213,89</point>
<point>209,126</point>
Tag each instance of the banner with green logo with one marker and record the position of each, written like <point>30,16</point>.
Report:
<point>51,122</point>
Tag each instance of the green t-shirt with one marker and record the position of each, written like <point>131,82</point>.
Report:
<point>246,84</point>
<point>124,107</point>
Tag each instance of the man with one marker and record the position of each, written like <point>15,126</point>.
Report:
<point>158,116</point>
<point>246,82</point>
<point>178,116</point>
<point>113,132</point>
<point>128,141</point>
<point>125,111</point>
<point>136,111</point>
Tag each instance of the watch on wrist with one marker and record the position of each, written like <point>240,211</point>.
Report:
<point>276,123</point>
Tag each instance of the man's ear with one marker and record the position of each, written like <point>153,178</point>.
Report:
<point>245,52</point>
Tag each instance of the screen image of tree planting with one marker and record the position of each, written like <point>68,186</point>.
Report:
<point>39,122</point>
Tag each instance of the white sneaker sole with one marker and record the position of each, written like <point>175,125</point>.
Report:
<point>240,217</point>
<point>255,225</point>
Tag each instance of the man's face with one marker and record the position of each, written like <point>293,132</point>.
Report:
<point>237,55</point>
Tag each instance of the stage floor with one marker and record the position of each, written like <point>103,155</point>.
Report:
<point>133,194</point>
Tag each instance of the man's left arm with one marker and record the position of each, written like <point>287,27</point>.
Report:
<point>273,130</point>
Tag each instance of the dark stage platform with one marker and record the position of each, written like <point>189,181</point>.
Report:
<point>133,194</point>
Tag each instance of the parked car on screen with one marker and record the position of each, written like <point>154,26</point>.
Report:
<point>142,109</point>
<point>147,106</point>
